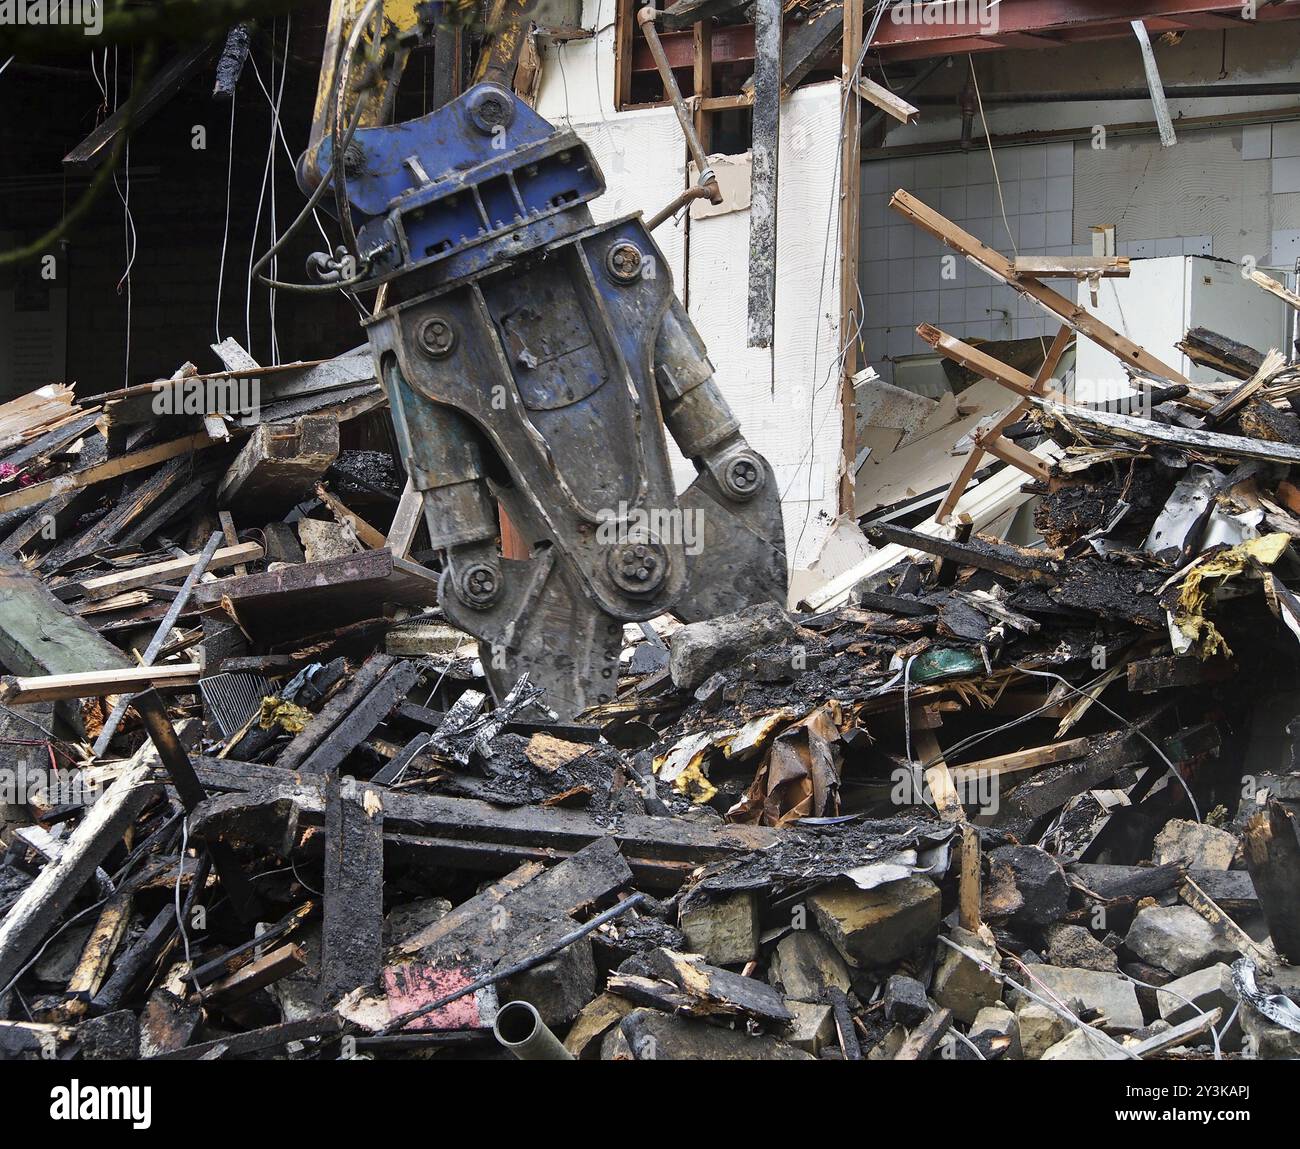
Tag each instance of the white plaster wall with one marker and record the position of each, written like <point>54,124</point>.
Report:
<point>787,396</point>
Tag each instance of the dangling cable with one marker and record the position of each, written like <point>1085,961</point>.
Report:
<point>225,235</point>
<point>128,228</point>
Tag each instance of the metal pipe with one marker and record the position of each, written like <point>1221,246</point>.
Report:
<point>520,1028</point>
<point>646,18</point>
<point>1107,95</point>
<point>700,191</point>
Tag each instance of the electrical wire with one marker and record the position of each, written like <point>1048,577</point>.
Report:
<point>268,176</point>
<point>180,919</point>
<point>275,127</point>
<point>1132,727</point>
<point>997,179</point>
<point>289,155</point>
<point>128,226</point>
<point>328,179</point>
<point>1214,1033</point>
<point>225,235</point>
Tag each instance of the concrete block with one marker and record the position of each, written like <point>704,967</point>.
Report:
<point>880,926</point>
<point>724,932</point>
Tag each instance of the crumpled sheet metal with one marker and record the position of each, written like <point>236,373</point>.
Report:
<point>800,778</point>
<point>288,716</point>
<point>1189,628</point>
<point>1278,1009</point>
<point>685,765</point>
<point>807,857</point>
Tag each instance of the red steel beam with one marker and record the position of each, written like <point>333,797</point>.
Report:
<point>731,43</point>
<point>1024,24</point>
<point>1060,20</point>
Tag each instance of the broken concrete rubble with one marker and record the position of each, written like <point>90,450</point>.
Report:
<point>876,927</point>
<point>1109,997</point>
<point>849,834</point>
<point>701,648</point>
<point>1177,939</point>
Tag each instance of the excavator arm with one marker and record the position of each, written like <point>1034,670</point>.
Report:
<point>534,360</point>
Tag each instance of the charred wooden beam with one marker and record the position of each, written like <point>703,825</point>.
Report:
<point>323,723</point>
<point>1272,851</point>
<point>980,553</point>
<point>354,888</point>
<point>764,152</point>
<point>361,718</point>
<point>272,1037</point>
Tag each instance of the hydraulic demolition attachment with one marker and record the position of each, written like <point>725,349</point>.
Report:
<point>532,359</point>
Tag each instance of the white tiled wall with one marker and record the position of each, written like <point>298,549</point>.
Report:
<point>903,274</point>
<point>1042,186</point>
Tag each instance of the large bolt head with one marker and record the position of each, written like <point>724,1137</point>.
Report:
<point>479,585</point>
<point>638,568</point>
<point>437,336</point>
<point>491,109</point>
<point>624,262</point>
<point>744,475</point>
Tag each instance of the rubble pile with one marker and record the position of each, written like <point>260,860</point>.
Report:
<point>995,802</point>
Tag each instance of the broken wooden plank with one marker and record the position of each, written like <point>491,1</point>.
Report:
<point>1018,760</point>
<point>335,710</point>
<point>888,102</point>
<point>105,586</point>
<point>366,534</point>
<point>1002,268</point>
<point>406,520</point>
<point>1055,785</point>
<point>312,597</point>
<point>101,472</point>
<point>1170,672</point>
<point>363,714</point>
<point>97,954</point>
<point>125,511</point>
<point>980,553</point>
<point>98,146</point>
<point>259,802</point>
<point>160,638</point>
<point>258,973</point>
<point>39,635</point>
<point>1164,121</point>
<point>1072,266</point>
<point>969,891</point>
<point>1238,396</point>
<point>97,683</point>
<point>684,13</point>
<point>52,441</point>
<point>938,775</point>
<point>1207,348</point>
<point>807,44</point>
<point>980,362</point>
<point>271,1037</point>
<point>1143,431</point>
<point>167,746</point>
<point>36,912</point>
<point>926,1037</point>
<point>1271,285</point>
<point>280,464</point>
<point>1231,889</point>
